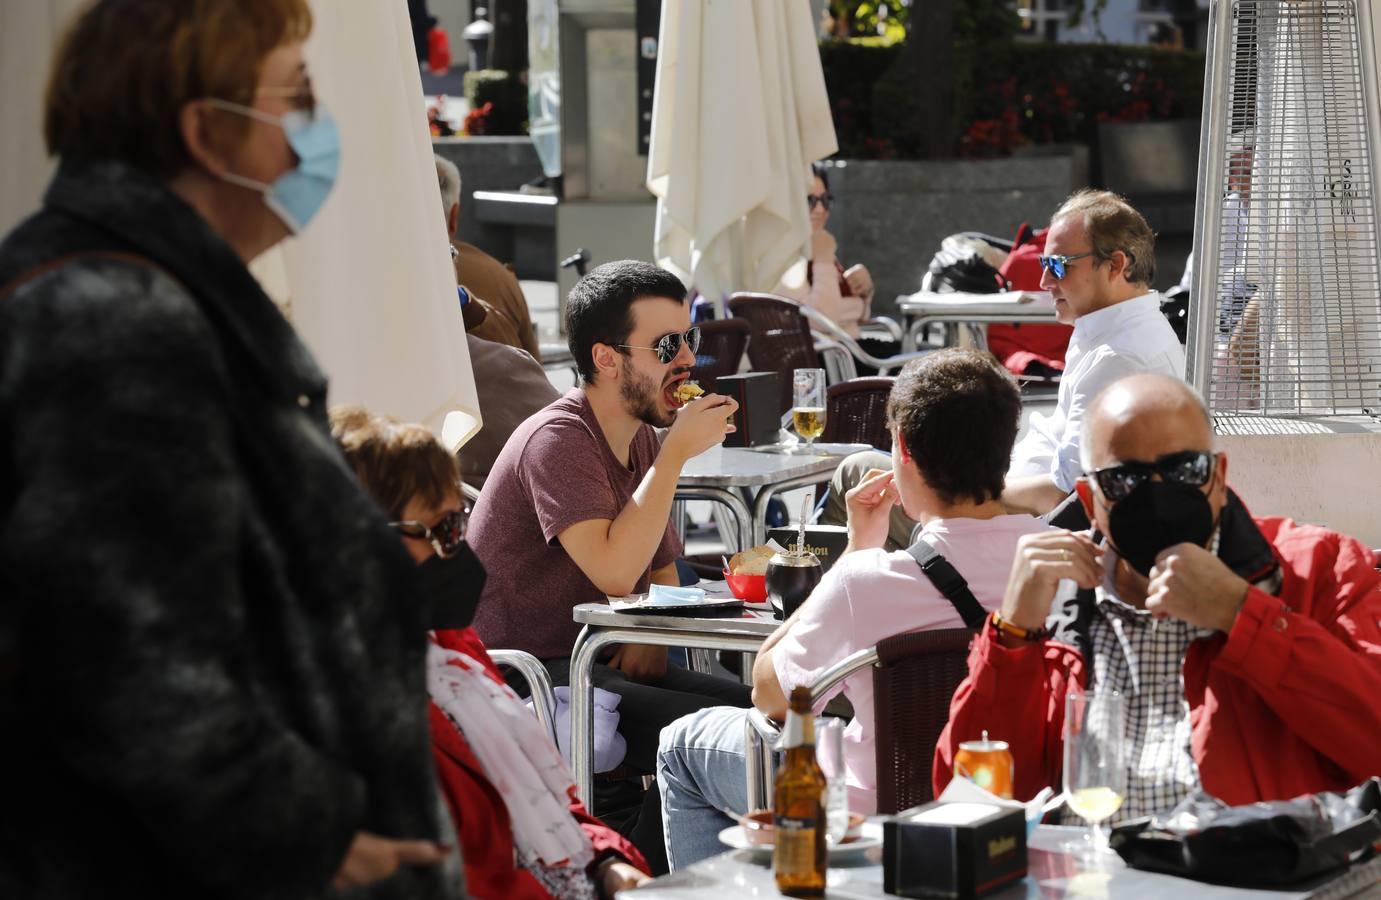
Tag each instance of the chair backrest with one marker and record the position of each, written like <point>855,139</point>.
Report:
<point>722,342</point>
<point>780,340</point>
<point>856,412</point>
<point>913,682</point>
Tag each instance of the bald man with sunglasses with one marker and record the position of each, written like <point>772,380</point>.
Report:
<point>1247,650</point>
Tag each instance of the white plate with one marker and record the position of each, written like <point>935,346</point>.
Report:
<point>869,836</point>
<point>818,449</point>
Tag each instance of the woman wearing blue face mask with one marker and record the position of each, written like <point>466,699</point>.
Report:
<point>202,660</point>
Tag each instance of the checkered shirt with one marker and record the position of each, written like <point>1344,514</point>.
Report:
<point>1142,658</point>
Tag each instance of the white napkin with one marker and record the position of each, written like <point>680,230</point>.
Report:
<point>961,790</point>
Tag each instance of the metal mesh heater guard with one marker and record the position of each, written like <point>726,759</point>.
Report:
<point>1285,316</point>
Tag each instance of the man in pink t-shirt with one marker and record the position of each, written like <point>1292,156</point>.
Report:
<point>954,417</point>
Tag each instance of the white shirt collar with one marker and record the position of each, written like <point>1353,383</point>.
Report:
<point>1095,327</point>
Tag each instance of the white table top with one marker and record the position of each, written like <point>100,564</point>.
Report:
<point>756,466</point>
<point>1054,874</point>
<point>754,619</point>
<point>1033,304</point>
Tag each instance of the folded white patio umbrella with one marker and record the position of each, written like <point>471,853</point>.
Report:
<point>370,283</point>
<point>739,115</point>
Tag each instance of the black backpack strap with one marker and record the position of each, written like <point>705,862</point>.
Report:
<point>949,582</point>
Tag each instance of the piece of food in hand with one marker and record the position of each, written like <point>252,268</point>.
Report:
<point>752,561</point>
<point>687,391</point>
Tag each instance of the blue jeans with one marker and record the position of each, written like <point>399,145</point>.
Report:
<point>702,775</point>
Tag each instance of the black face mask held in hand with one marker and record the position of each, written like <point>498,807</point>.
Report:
<point>451,589</point>
<point>1157,515</point>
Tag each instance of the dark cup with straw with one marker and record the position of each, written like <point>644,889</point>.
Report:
<point>793,574</point>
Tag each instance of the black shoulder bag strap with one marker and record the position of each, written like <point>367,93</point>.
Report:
<point>949,582</point>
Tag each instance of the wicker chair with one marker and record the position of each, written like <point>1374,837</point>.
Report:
<point>856,412</point>
<point>722,342</point>
<point>914,678</point>
<point>780,340</point>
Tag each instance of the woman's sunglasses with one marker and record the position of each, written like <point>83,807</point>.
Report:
<point>1191,467</point>
<point>814,200</point>
<point>668,346</point>
<point>445,536</point>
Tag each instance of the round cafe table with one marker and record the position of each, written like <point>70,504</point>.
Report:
<point>1054,873</point>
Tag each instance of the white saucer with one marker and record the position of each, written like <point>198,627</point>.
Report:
<point>869,836</point>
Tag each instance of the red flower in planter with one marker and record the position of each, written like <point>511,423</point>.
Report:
<point>477,120</point>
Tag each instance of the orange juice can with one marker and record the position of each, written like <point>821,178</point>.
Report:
<point>987,764</point>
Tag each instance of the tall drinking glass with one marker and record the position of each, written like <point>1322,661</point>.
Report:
<point>829,753</point>
<point>1095,760</point>
<point>808,404</point>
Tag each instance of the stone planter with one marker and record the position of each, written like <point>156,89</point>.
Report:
<point>892,215</point>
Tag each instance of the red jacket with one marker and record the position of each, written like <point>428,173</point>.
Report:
<point>482,823</point>
<point>1287,703</point>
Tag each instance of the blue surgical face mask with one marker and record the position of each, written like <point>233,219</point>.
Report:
<point>297,194</point>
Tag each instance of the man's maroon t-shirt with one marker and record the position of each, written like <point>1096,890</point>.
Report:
<point>555,471</point>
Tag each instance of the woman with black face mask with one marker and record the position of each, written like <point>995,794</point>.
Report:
<point>493,758</point>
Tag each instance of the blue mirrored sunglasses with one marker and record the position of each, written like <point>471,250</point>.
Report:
<point>1057,265</point>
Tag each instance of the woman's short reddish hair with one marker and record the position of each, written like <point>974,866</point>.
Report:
<point>125,68</point>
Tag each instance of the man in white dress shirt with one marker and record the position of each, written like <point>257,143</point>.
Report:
<point>1099,266</point>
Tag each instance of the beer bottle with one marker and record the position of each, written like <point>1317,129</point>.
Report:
<point>799,804</point>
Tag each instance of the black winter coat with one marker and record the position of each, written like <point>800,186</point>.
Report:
<point>210,676</point>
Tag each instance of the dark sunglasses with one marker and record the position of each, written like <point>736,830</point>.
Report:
<point>1191,467</point>
<point>668,346</point>
<point>814,200</point>
<point>445,536</point>
<point>1058,265</point>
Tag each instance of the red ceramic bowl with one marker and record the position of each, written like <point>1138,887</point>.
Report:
<point>758,826</point>
<point>750,588</point>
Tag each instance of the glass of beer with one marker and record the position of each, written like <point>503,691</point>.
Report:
<point>1095,761</point>
<point>808,404</point>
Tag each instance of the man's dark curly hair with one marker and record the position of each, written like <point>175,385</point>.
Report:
<point>958,413</point>
<point>599,309</point>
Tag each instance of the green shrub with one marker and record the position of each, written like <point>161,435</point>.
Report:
<point>1010,94</point>
<point>498,103</point>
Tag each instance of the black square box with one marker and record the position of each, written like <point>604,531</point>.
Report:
<point>955,860</point>
<point>759,415</point>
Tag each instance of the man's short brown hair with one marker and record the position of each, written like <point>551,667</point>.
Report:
<point>1114,224</point>
<point>958,413</point>
<point>125,68</point>
<point>395,461</point>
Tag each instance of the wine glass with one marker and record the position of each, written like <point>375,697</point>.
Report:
<point>1095,761</point>
<point>829,753</point>
<point>808,404</point>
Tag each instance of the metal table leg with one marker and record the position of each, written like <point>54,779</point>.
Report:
<point>587,648</point>
<point>769,491</point>
<point>742,517</point>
